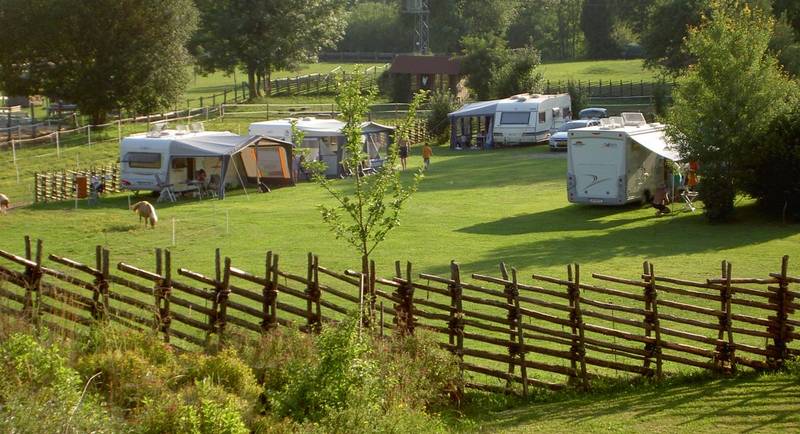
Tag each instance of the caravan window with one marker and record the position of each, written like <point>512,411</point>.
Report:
<point>143,160</point>
<point>514,118</point>
<point>542,117</point>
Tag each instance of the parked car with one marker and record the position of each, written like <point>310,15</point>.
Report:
<point>593,113</point>
<point>558,141</point>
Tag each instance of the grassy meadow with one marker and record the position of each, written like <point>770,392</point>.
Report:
<point>606,70</point>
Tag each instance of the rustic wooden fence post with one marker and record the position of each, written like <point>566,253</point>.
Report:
<point>725,358</point>
<point>781,331</point>
<point>33,281</point>
<point>222,295</point>
<point>313,309</point>
<point>578,349</point>
<point>161,292</point>
<point>404,318</point>
<point>270,295</point>
<point>456,322</point>
<point>652,325</point>
<point>100,289</point>
<point>516,349</point>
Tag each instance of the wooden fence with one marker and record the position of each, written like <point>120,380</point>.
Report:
<point>610,88</point>
<point>508,335</point>
<point>63,185</point>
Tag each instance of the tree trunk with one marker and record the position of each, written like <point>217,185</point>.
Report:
<point>251,81</point>
<point>258,83</point>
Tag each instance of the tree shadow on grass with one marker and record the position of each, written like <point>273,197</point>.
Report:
<point>569,218</point>
<point>665,236</point>
<point>744,404</point>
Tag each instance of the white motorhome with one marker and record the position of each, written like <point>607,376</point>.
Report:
<point>159,157</point>
<point>528,118</point>
<point>619,162</point>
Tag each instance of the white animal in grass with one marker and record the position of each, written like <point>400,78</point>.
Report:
<point>4,203</point>
<point>145,210</point>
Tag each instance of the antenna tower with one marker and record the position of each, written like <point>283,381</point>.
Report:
<point>422,32</point>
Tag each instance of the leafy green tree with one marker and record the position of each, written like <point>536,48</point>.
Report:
<point>442,103</point>
<point>483,56</point>
<point>262,36</point>
<point>597,22</point>
<point>115,54</point>
<point>376,27</point>
<point>519,75</point>
<point>726,100</point>
<point>366,208</point>
<point>668,23</point>
<point>452,20</point>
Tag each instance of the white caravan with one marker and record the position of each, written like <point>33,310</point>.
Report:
<point>619,162</point>
<point>322,138</point>
<point>530,118</point>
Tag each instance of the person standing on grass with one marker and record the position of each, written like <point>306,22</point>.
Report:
<point>403,151</point>
<point>427,152</point>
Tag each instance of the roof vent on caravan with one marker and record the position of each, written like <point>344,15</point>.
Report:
<point>197,127</point>
<point>307,119</point>
<point>611,122</point>
<point>157,129</point>
<point>634,119</point>
<point>181,129</point>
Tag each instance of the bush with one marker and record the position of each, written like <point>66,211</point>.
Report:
<point>578,98</point>
<point>660,93</point>
<point>717,193</point>
<point>442,102</point>
<point>395,86</point>
<point>225,370</point>
<point>518,75</point>
<point>199,409</point>
<point>40,393</point>
<point>772,176</point>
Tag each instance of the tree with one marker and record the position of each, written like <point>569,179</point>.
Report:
<point>105,57</point>
<point>725,101</point>
<point>366,208</point>
<point>262,36</point>
<point>519,75</point>
<point>442,102</point>
<point>668,23</point>
<point>452,20</point>
<point>483,56</point>
<point>597,21</point>
<point>376,27</point>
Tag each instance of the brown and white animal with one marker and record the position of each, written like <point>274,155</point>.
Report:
<point>4,203</point>
<point>145,210</point>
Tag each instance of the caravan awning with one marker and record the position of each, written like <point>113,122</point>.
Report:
<point>216,145</point>
<point>658,143</point>
<point>483,108</point>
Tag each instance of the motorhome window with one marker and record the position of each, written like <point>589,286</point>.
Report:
<point>514,118</point>
<point>143,160</point>
<point>556,113</point>
<point>542,117</point>
<point>179,163</point>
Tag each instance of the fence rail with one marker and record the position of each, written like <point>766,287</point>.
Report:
<point>66,184</point>
<point>508,335</point>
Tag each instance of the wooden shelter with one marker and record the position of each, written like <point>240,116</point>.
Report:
<point>428,72</point>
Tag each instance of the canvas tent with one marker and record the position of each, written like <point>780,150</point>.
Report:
<point>474,119</point>
<point>229,159</point>
<point>325,140</point>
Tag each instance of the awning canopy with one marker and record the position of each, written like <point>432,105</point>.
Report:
<point>374,127</point>
<point>483,108</point>
<point>658,143</point>
<point>223,144</point>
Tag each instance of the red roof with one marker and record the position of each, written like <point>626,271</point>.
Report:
<point>407,64</point>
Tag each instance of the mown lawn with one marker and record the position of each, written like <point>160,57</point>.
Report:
<point>694,404</point>
<point>594,70</point>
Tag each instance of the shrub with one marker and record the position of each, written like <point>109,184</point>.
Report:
<point>717,193</point>
<point>518,75</point>
<point>395,86</point>
<point>773,174</point>
<point>343,377</point>
<point>274,355</point>
<point>40,393</point>
<point>224,369</point>
<point>202,408</point>
<point>441,103</point>
<point>578,98</point>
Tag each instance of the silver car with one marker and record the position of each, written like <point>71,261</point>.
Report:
<point>558,141</point>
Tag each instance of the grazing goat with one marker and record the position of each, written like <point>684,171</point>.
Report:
<point>145,209</point>
<point>4,203</point>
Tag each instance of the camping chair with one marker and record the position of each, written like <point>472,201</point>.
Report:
<point>213,186</point>
<point>688,197</point>
<point>167,194</point>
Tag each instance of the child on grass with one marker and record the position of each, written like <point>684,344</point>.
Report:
<point>427,152</point>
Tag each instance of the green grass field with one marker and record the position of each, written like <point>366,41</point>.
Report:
<point>594,70</point>
<point>478,208</point>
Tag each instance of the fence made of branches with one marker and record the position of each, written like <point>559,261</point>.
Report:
<point>509,332</point>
